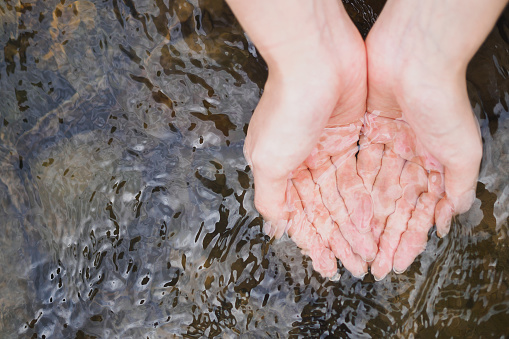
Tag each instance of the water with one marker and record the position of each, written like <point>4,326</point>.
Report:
<point>126,204</point>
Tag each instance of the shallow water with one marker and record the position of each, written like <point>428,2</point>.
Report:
<point>126,204</point>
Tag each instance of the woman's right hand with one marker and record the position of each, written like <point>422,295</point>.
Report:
<point>418,53</point>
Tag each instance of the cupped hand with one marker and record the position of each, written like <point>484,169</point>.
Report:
<point>421,146</point>
<point>302,140</point>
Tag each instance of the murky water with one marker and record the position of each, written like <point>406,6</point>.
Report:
<point>126,204</point>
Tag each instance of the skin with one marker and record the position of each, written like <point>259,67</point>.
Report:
<point>420,143</point>
<point>313,85</point>
<point>418,52</point>
<point>406,190</point>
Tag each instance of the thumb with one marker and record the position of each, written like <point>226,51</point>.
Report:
<point>459,197</point>
<point>460,186</point>
<point>270,196</point>
<point>270,202</point>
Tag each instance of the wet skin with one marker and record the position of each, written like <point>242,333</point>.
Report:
<point>306,100</point>
<point>393,170</point>
<point>406,184</point>
<point>420,146</point>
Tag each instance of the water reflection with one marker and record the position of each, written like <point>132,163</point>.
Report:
<point>126,204</point>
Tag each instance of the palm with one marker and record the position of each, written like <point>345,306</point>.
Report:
<point>417,150</point>
<point>330,206</point>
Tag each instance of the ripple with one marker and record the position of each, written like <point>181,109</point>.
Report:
<point>127,206</point>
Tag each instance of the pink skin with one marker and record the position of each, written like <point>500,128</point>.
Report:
<point>321,239</point>
<point>321,198</point>
<point>413,240</point>
<point>316,87</point>
<point>312,84</point>
<point>335,153</point>
<point>418,52</point>
<point>414,180</point>
<point>331,168</point>
<point>404,195</point>
<point>305,126</point>
<point>422,114</point>
<point>386,190</point>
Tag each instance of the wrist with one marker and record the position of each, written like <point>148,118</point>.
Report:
<point>441,36</point>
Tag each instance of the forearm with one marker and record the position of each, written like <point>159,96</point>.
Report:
<point>451,30</point>
<point>289,33</point>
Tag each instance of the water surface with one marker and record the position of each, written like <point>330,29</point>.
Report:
<point>126,204</point>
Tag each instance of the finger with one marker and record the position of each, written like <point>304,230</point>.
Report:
<point>325,178</point>
<point>361,244</point>
<point>303,233</point>
<point>270,197</point>
<point>278,231</point>
<point>436,184</point>
<point>355,196</point>
<point>382,130</point>
<point>414,239</point>
<point>444,212</point>
<point>342,250</point>
<point>369,161</point>
<point>311,201</point>
<point>319,216</point>
<point>414,182</point>
<point>386,190</point>
<point>460,184</point>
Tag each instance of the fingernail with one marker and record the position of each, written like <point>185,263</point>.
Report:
<point>378,279</point>
<point>288,226</point>
<point>247,157</point>
<point>446,228</point>
<point>448,225</point>
<point>335,277</point>
<point>398,271</point>
<point>272,233</point>
<point>267,227</point>
<point>360,276</point>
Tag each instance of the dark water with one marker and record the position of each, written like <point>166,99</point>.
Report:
<point>126,204</point>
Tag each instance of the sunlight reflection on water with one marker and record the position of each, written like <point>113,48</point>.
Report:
<point>126,203</point>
